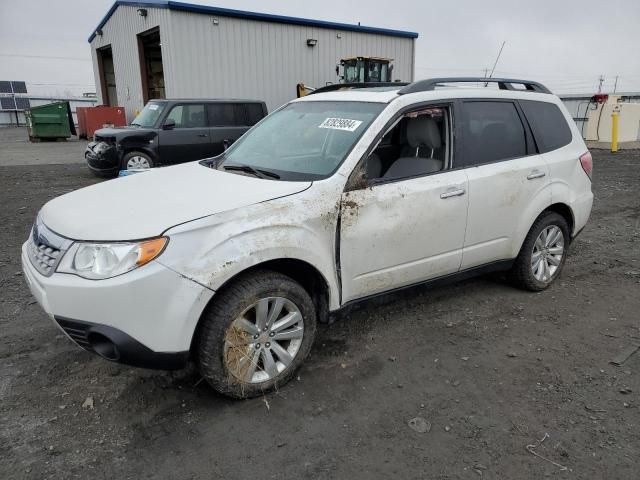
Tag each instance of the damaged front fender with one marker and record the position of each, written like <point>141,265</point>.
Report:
<point>222,246</point>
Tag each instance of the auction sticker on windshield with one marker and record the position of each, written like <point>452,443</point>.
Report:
<point>341,124</point>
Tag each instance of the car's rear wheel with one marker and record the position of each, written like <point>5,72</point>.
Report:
<point>543,253</point>
<point>256,334</point>
<point>136,161</point>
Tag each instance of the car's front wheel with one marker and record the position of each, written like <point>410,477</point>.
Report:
<point>543,253</point>
<point>256,334</point>
<point>136,161</point>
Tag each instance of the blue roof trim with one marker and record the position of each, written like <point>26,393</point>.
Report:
<point>228,12</point>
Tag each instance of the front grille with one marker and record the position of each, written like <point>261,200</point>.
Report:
<point>78,332</point>
<point>45,248</point>
<point>44,258</point>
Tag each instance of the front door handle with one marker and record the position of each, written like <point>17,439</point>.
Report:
<point>453,193</point>
<point>535,174</point>
<point>203,135</point>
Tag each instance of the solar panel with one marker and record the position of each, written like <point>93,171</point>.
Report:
<point>5,87</point>
<point>22,103</point>
<point>19,87</point>
<point>7,103</point>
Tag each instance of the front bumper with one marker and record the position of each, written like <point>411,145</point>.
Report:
<point>102,158</point>
<point>117,346</point>
<point>146,317</point>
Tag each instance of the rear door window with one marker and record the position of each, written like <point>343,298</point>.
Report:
<point>222,115</point>
<point>492,131</point>
<point>548,124</point>
<point>188,116</point>
<point>234,114</point>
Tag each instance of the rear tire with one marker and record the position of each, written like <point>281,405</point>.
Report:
<point>543,253</point>
<point>242,356</point>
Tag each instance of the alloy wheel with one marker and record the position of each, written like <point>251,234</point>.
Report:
<point>263,341</point>
<point>137,162</point>
<point>547,253</point>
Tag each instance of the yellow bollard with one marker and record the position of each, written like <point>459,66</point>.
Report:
<point>614,131</point>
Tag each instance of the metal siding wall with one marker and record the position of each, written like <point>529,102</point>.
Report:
<point>577,109</point>
<point>264,60</point>
<point>121,33</point>
<point>237,58</point>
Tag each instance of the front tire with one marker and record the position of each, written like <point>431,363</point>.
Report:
<point>256,334</point>
<point>136,161</point>
<point>543,253</point>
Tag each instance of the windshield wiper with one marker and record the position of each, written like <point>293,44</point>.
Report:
<point>258,172</point>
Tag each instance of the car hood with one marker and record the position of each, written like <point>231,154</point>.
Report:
<point>119,132</point>
<point>146,204</point>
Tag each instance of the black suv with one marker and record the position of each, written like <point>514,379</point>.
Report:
<point>172,131</point>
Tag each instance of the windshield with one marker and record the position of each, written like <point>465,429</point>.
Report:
<point>353,71</point>
<point>303,140</point>
<point>149,114</point>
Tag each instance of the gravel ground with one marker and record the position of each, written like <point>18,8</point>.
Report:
<point>490,368</point>
<point>16,149</point>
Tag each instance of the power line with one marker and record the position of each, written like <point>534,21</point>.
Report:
<point>45,57</point>
<point>60,84</point>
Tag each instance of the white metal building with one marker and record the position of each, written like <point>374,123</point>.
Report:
<point>155,49</point>
<point>586,111</point>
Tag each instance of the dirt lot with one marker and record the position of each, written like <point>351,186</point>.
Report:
<point>15,149</point>
<point>491,368</point>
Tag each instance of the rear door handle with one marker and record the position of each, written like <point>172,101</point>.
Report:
<point>203,135</point>
<point>453,193</point>
<point>535,174</point>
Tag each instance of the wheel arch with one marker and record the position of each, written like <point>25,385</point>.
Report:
<point>307,275</point>
<point>127,149</point>
<point>564,211</point>
<point>560,208</point>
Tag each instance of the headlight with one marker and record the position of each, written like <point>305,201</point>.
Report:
<point>105,260</point>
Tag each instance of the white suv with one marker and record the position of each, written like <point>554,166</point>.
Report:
<point>334,198</point>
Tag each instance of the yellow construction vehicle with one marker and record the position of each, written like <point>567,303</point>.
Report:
<point>357,70</point>
<point>302,90</point>
<point>364,70</point>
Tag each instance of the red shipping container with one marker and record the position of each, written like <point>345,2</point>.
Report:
<point>82,121</point>
<point>91,119</point>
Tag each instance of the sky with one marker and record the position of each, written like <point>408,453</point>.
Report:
<point>565,44</point>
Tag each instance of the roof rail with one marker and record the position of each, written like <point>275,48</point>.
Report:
<point>503,84</point>
<point>349,86</point>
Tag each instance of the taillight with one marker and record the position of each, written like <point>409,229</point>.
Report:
<point>587,163</point>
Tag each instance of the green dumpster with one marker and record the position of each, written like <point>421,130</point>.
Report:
<point>51,121</point>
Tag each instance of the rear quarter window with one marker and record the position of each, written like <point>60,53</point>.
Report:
<point>254,113</point>
<point>549,125</point>
<point>492,131</point>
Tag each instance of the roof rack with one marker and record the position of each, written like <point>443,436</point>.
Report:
<point>350,86</point>
<point>503,84</point>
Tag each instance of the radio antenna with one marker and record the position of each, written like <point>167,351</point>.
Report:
<point>496,62</point>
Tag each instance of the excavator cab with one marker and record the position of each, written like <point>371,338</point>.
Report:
<point>365,69</point>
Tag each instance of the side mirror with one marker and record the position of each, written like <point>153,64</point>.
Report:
<point>358,178</point>
<point>169,124</point>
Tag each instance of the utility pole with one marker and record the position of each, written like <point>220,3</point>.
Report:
<point>601,81</point>
<point>615,85</point>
